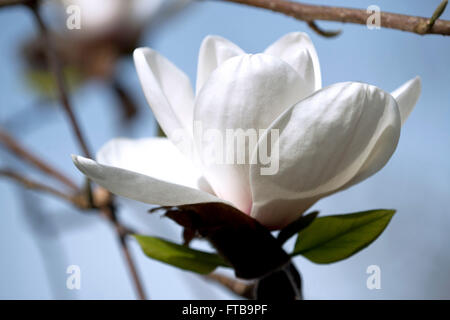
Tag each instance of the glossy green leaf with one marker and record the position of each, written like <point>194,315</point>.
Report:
<point>178,255</point>
<point>334,238</point>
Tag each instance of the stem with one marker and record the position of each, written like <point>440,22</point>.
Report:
<point>306,12</point>
<point>83,200</point>
<point>110,213</point>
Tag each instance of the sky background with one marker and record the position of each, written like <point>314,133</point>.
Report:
<point>413,253</point>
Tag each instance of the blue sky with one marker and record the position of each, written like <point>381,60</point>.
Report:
<point>412,253</point>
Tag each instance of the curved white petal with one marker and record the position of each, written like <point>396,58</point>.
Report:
<point>169,94</point>
<point>214,50</point>
<point>297,49</point>
<point>407,96</point>
<point>379,156</point>
<point>155,157</point>
<point>204,185</point>
<point>343,132</point>
<point>245,92</point>
<point>140,187</point>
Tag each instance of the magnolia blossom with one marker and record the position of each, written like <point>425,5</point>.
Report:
<point>329,138</point>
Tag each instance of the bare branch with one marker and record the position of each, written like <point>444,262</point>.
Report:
<point>89,200</point>
<point>308,13</point>
<point>110,213</point>
<point>34,185</point>
<point>7,3</point>
<point>16,148</point>
<point>55,67</point>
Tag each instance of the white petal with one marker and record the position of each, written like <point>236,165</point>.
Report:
<point>204,185</point>
<point>245,92</point>
<point>297,49</point>
<point>214,50</point>
<point>379,156</point>
<point>155,157</point>
<point>325,141</point>
<point>169,94</point>
<point>407,96</point>
<point>140,187</point>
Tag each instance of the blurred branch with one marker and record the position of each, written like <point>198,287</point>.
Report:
<point>308,13</point>
<point>88,199</point>
<point>6,3</point>
<point>128,108</point>
<point>122,233</point>
<point>107,210</point>
<point>31,184</point>
<point>238,287</point>
<point>16,148</point>
<point>55,67</point>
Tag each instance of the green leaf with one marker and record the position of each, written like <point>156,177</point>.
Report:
<point>179,256</point>
<point>333,238</point>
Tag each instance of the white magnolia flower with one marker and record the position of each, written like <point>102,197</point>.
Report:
<point>329,138</point>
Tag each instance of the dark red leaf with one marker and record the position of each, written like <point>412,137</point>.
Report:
<point>247,246</point>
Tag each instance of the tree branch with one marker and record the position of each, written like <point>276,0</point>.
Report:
<point>31,184</point>
<point>106,208</point>
<point>308,13</point>
<point>108,211</point>
<point>7,3</point>
<point>122,232</point>
<point>55,67</point>
<point>12,145</point>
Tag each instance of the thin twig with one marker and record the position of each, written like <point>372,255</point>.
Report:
<point>307,12</point>
<point>240,288</point>
<point>324,33</point>
<point>108,210</point>
<point>122,232</point>
<point>55,67</point>
<point>16,148</point>
<point>34,185</point>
